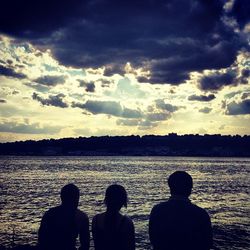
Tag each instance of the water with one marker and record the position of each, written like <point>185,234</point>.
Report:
<point>31,185</point>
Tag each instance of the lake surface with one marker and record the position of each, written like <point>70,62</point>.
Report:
<point>31,185</point>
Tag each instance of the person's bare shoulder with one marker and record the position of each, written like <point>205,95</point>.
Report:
<point>81,216</point>
<point>127,221</point>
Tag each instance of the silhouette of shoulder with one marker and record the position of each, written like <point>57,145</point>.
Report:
<point>122,222</point>
<point>182,211</point>
<point>179,223</point>
<point>179,205</point>
<point>57,214</point>
<point>113,233</point>
<point>60,228</point>
<point>81,217</point>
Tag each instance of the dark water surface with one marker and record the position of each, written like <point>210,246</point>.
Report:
<point>31,185</point>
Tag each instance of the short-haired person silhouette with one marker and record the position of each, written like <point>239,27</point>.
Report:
<point>177,224</point>
<point>61,225</point>
<point>111,230</point>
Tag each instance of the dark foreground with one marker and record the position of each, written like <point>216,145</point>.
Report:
<point>19,247</point>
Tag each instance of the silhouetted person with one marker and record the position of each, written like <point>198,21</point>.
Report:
<point>112,230</point>
<point>177,224</point>
<point>61,225</point>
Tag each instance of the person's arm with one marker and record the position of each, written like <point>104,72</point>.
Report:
<point>129,234</point>
<point>207,232</point>
<point>95,234</point>
<point>84,233</point>
<point>152,229</point>
<point>44,232</point>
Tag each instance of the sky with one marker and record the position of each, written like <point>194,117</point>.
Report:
<point>109,67</point>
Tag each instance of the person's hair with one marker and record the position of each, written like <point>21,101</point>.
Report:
<point>70,194</point>
<point>116,197</point>
<point>180,183</point>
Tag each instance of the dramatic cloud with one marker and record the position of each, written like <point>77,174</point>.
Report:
<point>37,87</point>
<point>139,63</point>
<point>152,38</point>
<point>141,124</point>
<point>89,86</point>
<point>50,80</point>
<point>52,100</point>
<point>15,92</point>
<point>217,81</point>
<point>9,72</point>
<point>205,110</point>
<point>31,23</point>
<point>245,75</point>
<point>24,128</point>
<point>245,95</point>
<point>109,108</point>
<point>160,104</point>
<point>241,10</point>
<point>128,122</point>
<point>157,116</point>
<point>201,98</point>
<point>146,124</point>
<point>241,108</point>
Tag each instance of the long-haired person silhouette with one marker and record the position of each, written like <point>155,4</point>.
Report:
<point>112,230</point>
<point>61,225</point>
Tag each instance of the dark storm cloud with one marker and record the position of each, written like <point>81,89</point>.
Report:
<point>217,81</point>
<point>109,108</point>
<point>24,128</point>
<point>205,110</point>
<point>32,19</point>
<point>245,75</point>
<point>241,108</point>
<point>9,72</point>
<point>52,100</point>
<point>170,38</point>
<point>2,101</point>
<point>241,10</point>
<point>50,80</point>
<point>114,69</point>
<point>201,98</point>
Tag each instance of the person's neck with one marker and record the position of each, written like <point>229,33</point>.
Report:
<point>111,211</point>
<point>179,197</point>
<point>68,206</point>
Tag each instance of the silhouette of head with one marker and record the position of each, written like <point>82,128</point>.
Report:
<point>116,197</point>
<point>70,195</point>
<point>180,183</point>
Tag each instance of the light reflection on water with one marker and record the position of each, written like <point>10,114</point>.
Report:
<point>31,185</point>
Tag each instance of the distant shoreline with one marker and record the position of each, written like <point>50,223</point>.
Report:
<point>149,145</point>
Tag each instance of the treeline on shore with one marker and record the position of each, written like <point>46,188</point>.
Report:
<point>148,145</point>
